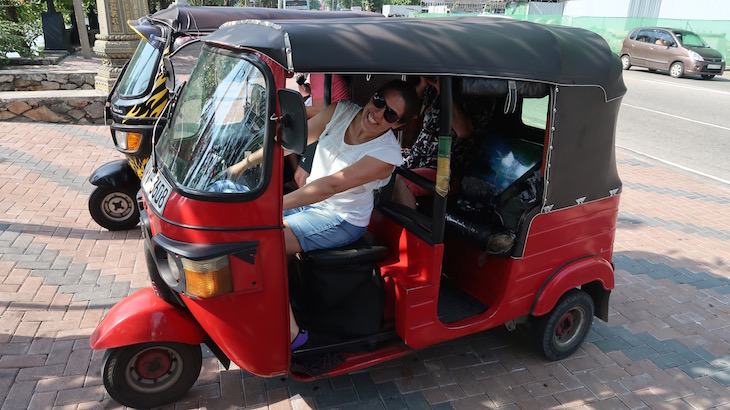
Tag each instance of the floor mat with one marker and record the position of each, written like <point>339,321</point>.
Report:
<point>455,304</point>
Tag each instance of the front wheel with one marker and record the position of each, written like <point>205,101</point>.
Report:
<point>707,76</point>
<point>676,70</point>
<point>151,374</point>
<point>559,333</point>
<point>114,209</point>
<point>625,62</point>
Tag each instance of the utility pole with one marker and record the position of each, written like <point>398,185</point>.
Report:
<point>81,24</point>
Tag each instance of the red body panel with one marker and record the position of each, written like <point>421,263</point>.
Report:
<point>582,235</point>
<point>143,317</point>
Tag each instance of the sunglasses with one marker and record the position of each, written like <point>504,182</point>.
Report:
<point>379,102</point>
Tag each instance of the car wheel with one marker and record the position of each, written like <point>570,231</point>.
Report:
<point>150,374</point>
<point>559,333</point>
<point>625,62</point>
<point>114,209</point>
<point>708,76</point>
<point>676,70</point>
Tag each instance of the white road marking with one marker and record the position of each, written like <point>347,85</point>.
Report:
<point>688,86</point>
<point>678,117</point>
<point>694,171</point>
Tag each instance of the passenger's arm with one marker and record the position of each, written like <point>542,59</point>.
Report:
<point>316,107</point>
<point>363,171</point>
<point>460,122</point>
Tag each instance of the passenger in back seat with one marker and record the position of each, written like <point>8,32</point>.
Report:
<point>422,156</point>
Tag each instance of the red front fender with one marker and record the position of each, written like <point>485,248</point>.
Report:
<point>143,317</point>
<point>577,273</point>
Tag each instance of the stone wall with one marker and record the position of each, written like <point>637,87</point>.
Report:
<point>77,107</point>
<point>16,80</point>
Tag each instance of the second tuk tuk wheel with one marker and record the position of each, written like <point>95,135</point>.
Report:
<point>114,209</point>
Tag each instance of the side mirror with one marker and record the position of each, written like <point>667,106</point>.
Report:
<point>293,121</point>
<point>169,74</point>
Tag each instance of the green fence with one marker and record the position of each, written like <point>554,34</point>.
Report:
<point>614,29</point>
<point>716,33</point>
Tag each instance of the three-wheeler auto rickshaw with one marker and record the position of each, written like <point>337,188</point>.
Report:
<point>136,103</point>
<point>526,238</point>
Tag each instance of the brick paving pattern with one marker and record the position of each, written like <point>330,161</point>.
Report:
<point>666,344</point>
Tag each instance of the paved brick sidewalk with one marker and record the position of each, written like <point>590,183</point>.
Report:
<point>667,343</point>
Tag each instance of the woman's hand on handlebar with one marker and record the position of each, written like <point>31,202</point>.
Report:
<point>235,171</point>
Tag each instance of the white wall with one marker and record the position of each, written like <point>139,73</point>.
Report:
<point>670,9</point>
<point>599,8</point>
<point>695,9</point>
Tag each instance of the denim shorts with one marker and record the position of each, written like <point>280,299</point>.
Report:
<point>320,228</point>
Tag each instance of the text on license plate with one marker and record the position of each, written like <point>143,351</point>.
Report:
<point>713,66</point>
<point>157,189</point>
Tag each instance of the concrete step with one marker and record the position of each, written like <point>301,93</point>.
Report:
<point>58,106</point>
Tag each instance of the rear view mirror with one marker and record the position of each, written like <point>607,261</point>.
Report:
<point>293,121</point>
<point>169,74</point>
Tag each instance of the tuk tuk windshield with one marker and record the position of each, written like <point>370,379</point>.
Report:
<point>140,71</point>
<point>219,119</point>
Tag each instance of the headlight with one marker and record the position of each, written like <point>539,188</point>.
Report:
<point>207,278</point>
<point>128,140</point>
<point>175,267</point>
<point>695,56</point>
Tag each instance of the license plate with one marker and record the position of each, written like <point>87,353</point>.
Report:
<point>713,66</point>
<point>157,189</point>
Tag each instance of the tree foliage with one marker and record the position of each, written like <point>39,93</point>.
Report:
<point>20,25</point>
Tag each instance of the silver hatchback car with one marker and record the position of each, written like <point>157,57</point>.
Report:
<point>679,52</point>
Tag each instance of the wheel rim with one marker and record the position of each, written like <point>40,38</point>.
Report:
<point>117,206</point>
<point>569,327</point>
<point>676,70</point>
<point>154,370</point>
<point>625,62</point>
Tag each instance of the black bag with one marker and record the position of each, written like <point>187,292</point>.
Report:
<point>341,301</point>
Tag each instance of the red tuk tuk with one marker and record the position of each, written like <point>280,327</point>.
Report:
<point>535,249</point>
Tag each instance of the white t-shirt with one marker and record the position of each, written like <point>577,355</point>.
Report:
<point>356,204</point>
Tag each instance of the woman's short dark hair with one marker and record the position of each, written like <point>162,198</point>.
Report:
<point>408,92</point>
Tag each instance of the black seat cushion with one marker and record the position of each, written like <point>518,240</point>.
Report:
<point>364,251</point>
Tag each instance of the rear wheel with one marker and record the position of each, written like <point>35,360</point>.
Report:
<point>625,62</point>
<point>559,333</point>
<point>114,209</point>
<point>676,70</point>
<point>150,374</point>
<point>707,76</point>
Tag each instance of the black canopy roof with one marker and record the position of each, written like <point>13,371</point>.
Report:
<point>464,46</point>
<point>206,19</point>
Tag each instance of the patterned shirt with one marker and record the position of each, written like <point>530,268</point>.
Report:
<point>424,151</point>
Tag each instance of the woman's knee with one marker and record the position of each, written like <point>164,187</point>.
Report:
<point>291,242</point>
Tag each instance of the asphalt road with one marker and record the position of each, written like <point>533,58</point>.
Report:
<point>681,122</point>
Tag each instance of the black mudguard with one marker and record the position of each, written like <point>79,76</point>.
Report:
<point>116,174</point>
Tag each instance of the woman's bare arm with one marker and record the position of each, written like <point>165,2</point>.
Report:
<point>363,171</point>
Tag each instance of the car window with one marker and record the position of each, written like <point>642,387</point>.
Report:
<point>644,36</point>
<point>633,34</point>
<point>663,38</point>
<point>690,40</point>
